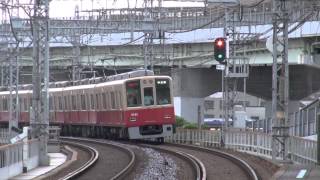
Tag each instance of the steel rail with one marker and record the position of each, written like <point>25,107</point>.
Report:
<point>252,175</point>
<point>93,159</point>
<point>125,171</point>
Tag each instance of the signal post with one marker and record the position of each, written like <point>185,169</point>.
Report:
<point>235,68</point>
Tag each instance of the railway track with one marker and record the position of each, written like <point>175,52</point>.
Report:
<point>195,168</point>
<point>193,162</point>
<point>222,165</point>
<point>115,161</point>
<point>94,155</point>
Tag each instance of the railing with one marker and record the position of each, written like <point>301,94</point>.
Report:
<point>301,150</point>
<point>4,136</point>
<point>15,158</point>
<point>254,142</point>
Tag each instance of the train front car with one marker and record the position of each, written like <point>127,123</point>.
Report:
<point>149,109</point>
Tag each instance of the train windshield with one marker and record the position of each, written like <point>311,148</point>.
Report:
<point>133,93</point>
<point>148,96</point>
<point>163,91</point>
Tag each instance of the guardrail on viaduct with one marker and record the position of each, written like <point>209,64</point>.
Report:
<point>301,151</point>
<point>19,157</point>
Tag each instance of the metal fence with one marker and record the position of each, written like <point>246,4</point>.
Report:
<point>4,136</point>
<point>15,157</point>
<point>301,150</point>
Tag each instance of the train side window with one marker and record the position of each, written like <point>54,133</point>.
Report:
<point>50,103</point>
<point>60,102</point>
<point>133,93</point>
<point>83,102</point>
<point>92,101</point>
<point>66,103</point>
<point>20,104</point>
<point>97,102</point>
<point>25,104</point>
<point>55,103</point>
<point>113,103</point>
<point>1,109</point>
<point>120,100</point>
<point>87,101</point>
<point>2,103</point>
<point>107,101</point>
<point>104,101</point>
<point>115,100</point>
<point>78,101</point>
<point>5,104</point>
<point>73,102</point>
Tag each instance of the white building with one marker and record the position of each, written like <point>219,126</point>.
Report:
<point>253,115</point>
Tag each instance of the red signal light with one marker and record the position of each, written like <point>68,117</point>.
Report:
<point>220,43</point>
<point>220,49</point>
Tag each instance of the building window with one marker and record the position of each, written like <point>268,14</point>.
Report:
<point>208,105</point>
<point>209,116</point>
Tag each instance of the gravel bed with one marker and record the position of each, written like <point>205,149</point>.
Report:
<point>152,164</point>
<point>159,167</point>
<point>217,167</point>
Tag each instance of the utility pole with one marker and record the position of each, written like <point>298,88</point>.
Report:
<point>40,77</point>
<point>76,61</point>
<point>280,82</point>
<point>236,68</point>
<point>148,50</point>
<point>13,89</point>
<point>148,35</point>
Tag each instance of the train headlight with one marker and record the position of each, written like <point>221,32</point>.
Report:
<point>133,119</point>
<point>133,116</point>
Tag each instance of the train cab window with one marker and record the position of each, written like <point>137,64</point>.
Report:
<point>148,96</point>
<point>133,93</point>
<point>163,91</point>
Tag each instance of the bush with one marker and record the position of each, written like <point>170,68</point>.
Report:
<point>180,122</point>
<point>204,126</point>
<point>190,126</point>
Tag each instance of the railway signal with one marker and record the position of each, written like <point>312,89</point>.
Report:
<point>220,49</point>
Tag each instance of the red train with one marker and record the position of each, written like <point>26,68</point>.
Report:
<point>133,107</point>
